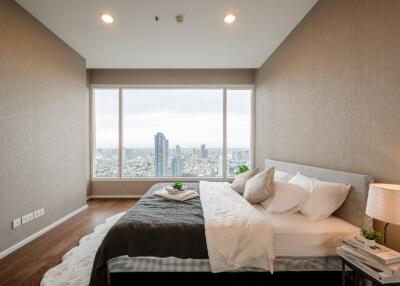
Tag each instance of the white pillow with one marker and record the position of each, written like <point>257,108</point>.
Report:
<point>279,176</point>
<point>282,176</point>
<point>260,187</point>
<point>288,198</point>
<point>324,198</point>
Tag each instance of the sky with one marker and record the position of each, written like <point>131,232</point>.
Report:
<point>187,117</point>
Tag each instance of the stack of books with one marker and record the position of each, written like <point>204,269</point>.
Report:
<point>378,261</point>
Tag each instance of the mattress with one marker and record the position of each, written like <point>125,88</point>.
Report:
<point>300,245</point>
<point>297,236</point>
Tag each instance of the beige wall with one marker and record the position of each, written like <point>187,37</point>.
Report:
<point>123,188</point>
<point>43,125</point>
<point>159,76</point>
<point>329,95</point>
<point>172,76</point>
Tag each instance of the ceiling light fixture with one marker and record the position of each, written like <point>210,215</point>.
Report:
<point>229,19</point>
<point>179,19</point>
<point>107,18</point>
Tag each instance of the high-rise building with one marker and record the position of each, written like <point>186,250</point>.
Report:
<point>160,155</point>
<point>176,166</point>
<point>203,151</point>
<point>176,163</point>
<point>240,156</point>
<point>178,151</point>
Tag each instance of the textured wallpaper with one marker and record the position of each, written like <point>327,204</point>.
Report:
<point>330,94</point>
<point>44,160</point>
<point>172,76</point>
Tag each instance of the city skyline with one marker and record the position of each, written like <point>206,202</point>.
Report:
<point>172,165</point>
<point>140,162</point>
<point>163,161</point>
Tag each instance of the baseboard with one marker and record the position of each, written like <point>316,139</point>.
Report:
<point>40,232</point>
<point>114,197</point>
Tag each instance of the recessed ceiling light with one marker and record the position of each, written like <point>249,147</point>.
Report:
<point>107,18</point>
<point>230,18</point>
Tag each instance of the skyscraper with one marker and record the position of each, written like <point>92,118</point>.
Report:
<point>160,155</point>
<point>176,166</point>
<point>178,151</point>
<point>176,163</point>
<point>240,156</point>
<point>203,151</point>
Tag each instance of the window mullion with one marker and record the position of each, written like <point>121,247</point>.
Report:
<point>93,133</point>
<point>253,129</point>
<point>224,143</point>
<point>120,129</point>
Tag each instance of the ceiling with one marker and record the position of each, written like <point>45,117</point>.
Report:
<point>203,40</point>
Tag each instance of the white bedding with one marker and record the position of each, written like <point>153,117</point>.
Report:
<point>297,243</point>
<point>238,235</point>
<point>297,236</point>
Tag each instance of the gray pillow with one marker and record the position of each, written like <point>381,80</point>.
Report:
<point>260,187</point>
<point>240,180</point>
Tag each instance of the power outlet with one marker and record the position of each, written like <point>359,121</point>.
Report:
<point>38,213</point>
<point>27,218</point>
<point>16,222</point>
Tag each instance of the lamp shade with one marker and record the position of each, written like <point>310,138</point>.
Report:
<point>384,202</point>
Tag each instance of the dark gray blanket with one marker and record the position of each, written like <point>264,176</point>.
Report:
<point>154,226</point>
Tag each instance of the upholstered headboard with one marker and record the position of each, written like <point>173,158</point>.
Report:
<point>353,209</point>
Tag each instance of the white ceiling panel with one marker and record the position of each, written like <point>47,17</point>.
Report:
<point>203,40</point>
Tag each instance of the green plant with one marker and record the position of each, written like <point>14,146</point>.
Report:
<point>370,233</point>
<point>177,185</point>
<point>242,169</point>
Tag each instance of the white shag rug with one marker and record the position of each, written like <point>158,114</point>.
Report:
<point>76,265</point>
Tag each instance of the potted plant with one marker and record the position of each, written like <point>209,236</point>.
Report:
<point>370,236</point>
<point>175,188</point>
<point>178,186</point>
<point>242,169</point>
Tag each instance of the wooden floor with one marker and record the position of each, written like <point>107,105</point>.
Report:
<point>27,265</point>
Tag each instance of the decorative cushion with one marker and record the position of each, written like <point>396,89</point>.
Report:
<point>260,187</point>
<point>240,180</point>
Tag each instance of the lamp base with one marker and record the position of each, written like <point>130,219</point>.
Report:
<point>384,233</point>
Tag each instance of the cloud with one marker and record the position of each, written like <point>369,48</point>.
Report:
<point>186,117</point>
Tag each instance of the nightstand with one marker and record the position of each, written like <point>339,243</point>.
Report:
<point>359,275</point>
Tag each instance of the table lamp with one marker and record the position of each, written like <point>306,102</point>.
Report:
<point>384,204</point>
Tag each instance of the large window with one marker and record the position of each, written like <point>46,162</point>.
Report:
<point>106,126</point>
<point>171,132</point>
<point>238,129</point>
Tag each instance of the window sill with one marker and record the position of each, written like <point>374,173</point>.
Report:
<point>164,179</point>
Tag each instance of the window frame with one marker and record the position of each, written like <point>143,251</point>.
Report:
<point>155,86</point>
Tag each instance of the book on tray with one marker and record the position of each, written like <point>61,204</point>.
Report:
<point>378,261</point>
<point>379,252</point>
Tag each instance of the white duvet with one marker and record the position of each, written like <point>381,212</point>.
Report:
<point>238,236</point>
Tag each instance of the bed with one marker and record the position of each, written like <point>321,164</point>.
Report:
<point>158,235</point>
